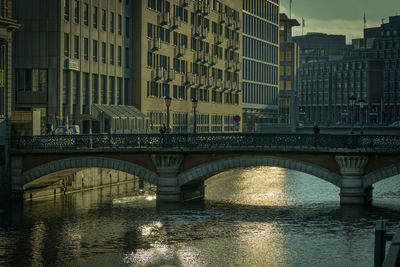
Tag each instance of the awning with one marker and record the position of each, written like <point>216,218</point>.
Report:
<point>117,111</point>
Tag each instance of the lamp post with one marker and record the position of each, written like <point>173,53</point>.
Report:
<point>362,105</point>
<point>194,105</point>
<point>352,101</point>
<point>168,104</point>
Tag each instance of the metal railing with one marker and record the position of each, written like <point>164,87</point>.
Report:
<point>384,143</point>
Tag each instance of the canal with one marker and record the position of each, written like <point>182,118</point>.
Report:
<point>251,217</point>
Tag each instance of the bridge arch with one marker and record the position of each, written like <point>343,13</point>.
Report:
<point>204,171</point>
<point>381,174</point>
<point>89,162</point>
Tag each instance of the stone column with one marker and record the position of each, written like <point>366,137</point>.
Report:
<point>168,189</point>
<point>352,190</point>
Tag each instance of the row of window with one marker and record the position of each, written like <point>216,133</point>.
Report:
<point>260,29</point>
<point>260,72</point>
<point>111,21</point>
<point>260,94</point>
<point>112,90</point>
<point>77,52</point>
<point>259,50</point>
<point>263,9</point>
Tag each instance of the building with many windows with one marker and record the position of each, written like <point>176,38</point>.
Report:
<point>288,71</point>
<point>7,25</point>
<point>188,50</point>
<point>260,63</point>
<point>72,57</point>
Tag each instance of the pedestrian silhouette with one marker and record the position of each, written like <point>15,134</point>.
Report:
<point>316,128</point>
<point>163,129</point>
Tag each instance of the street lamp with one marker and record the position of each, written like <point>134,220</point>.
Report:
<point>194,105</point>
<point>362,105</point>
<point>168,104</point>
<point>352,101</point>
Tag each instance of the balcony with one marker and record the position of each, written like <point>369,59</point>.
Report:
<point>236,44</point>
<point>227,85</point>
<point>195,31</point>
<point>228,64</point>
<point>171,75</point>
<point>180,51</point>
<point>206,57</point>
<point>176,23</point>
<point>157,74</point>
<point>154,44</point>
<point>187,79</point>
<point>213,60</point>
<point>237,25</point>
<point>217,39</point>
<point>184,3</point>
<point>201,80</point>
<point>238,66</point>
<point>217,83</point>
<point>197,7</point>
<point>229,44</point>
<point>222,18</point>
<point>203,33</point>
<point>205,9</point>
<point>164,19</point>
<point>198,57</point>
<point>210,82</point>
<point>229,21</point>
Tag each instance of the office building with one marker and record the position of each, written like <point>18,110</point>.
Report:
<point>288,71</point>
<point>260,63</point>
<point>188,50</point>
<point>73,58</point>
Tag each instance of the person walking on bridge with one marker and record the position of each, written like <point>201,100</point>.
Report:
<point>316,128</point>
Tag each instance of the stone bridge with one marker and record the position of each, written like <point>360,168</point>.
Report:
<point>178,164</point>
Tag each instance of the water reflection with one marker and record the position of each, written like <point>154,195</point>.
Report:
<point>251,217</point>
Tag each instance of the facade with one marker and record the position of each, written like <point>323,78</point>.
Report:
<point>325,89</point>
<point>7,25</point>
<point>288,71</point>
<point>260,63</point>
<point>316,47</point>
<point>188,50</point>
<point>79,55</point>
<point>369,72</point>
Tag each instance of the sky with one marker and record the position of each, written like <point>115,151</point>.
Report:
<point>340,16</point>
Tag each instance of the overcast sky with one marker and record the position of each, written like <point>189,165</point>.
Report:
<point>340,16</point>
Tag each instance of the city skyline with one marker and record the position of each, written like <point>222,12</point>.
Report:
<point>332,18</point>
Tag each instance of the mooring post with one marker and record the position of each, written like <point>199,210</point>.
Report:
<point>380,242</point>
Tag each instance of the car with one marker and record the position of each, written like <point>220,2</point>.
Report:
<point>65,130</point>
<point>395,124</point>
<point>60,136</point>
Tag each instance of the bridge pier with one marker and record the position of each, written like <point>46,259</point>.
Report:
<point>352,191</point>
<point>168,189</point>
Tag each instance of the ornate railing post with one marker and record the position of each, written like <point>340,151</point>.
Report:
<point>352,190</point>
<point>168,189</point>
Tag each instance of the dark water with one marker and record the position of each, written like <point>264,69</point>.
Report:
<point>252,217</point>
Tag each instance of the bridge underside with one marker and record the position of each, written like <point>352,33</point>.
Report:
<point>181,176</point>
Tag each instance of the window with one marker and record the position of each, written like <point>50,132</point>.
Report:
<point>95,17</point>
<point>95,50</point>
<point>119,56</point>
<point>103,52</point>
<point>127,27</point>
<point>112,22</point>
<point>76,11</point>
<point>150,30</point>
<point>119,92</point>
<point>34,80</point>
<point>66,86</point>
<point>66,44</point>
<point>112,90</point>
<point>75,87</point>
<point>119,24</point>
<point>66,9</point>
<point>86,49</point>
<point>85,89</point>
<point>86,14</point>
<point>126,92</point>
<point>126,57</point>
<point>95,87</point>
<point>111,54</point>
<point>76,46</point>
<point>104,96</point>
<point>104,20</point>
